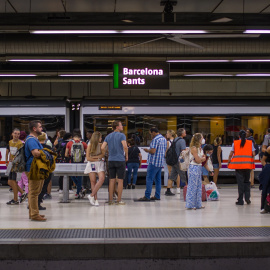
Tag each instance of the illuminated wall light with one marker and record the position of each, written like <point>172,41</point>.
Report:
<point>257,32</point>
<point>17,75</point>
<point>208,75</point>
<point>118,31</point>
<point>252,60</point>
<point>198,61</point>
<point>39,60</point>
<point>84,75</point>
<point>73,32</point>
<point>163,32</point>
<point>253,75</point>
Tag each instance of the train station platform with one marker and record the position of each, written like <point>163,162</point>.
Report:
<point>137,235</point>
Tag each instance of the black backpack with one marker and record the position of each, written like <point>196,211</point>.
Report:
<point>171,155</point>
<point>61,150</point>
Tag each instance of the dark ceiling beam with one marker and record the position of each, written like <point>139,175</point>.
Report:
<point>12,6</point>
<point>217,6</point>
<point>264,8</point>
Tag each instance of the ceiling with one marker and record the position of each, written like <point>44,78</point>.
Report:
<point>95,53</point>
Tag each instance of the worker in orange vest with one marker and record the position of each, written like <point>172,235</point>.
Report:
<point>241,159</point>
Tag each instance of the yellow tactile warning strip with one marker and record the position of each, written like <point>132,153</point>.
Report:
<point>131,233</point>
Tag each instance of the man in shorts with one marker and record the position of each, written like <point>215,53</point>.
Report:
<point>118,155</point>
<point>12,147</point>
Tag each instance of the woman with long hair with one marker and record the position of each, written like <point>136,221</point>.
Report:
<point>95,165</point>
<point>217,158</point>
<point>196,157</point>
<point>241,159</point>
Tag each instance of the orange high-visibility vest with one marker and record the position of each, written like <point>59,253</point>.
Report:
<point>242,157</point>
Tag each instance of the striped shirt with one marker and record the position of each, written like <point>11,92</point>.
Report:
<point>160,144</point>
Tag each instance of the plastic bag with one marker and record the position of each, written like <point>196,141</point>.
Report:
<point>212,192</point>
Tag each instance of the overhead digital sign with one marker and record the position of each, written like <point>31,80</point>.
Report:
<point>141,75</point>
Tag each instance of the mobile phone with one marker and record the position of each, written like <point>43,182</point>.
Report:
<point>93,167</point>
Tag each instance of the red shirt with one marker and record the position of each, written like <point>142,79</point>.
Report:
<point>69,145</point>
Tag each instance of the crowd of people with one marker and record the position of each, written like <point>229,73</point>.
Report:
<point>114,155</point>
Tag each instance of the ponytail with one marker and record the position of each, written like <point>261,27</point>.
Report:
<point>242,135</point>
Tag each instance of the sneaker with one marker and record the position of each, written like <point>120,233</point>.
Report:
<point>120,203</point>
<point>263,211</point>
<point>178,190</point>
<point>23,197</point>
<point>248,201</point>
<point>71,191</point>
<point>169,193</point>
<point>47,196</point>
<point>12,202</point>
<point>111,203</point>
<point>91,199</point>
<point>77,196</point>
<point>96,203</point>
<point>60,191</point>
<point>82,193</point>
<point>133,186</point>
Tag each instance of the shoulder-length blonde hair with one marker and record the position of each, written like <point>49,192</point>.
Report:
<point>195,141</point>
<point>94,142</point>
<point>172,133</point>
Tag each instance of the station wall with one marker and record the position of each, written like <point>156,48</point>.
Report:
<point>180,87</point>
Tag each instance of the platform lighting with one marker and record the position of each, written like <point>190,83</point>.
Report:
<point>257,32</point>
<point>118,32</point>
<point>253,75</point>
<point>217,60</point>
<point>73,32</point>
<point>17,75</point>
<point>197,61</point>
<point>208,75</point>
<point>252,60</point>
<point>39,60</point>
<point>84,75</point>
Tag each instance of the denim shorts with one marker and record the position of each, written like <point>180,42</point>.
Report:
<point>216,166</point>
<point>204,171</point>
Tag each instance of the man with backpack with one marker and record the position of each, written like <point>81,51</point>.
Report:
<point>155,158</point>
<point>172,157</point>
<point>249,135</point>
<point>32,147</point>
<point>75,150</point>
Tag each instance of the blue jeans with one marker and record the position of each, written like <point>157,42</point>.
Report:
<point>134,167</point>
<point>153,173</point>
<point>78,182</point>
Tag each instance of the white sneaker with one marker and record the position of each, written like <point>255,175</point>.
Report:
<point>70,191</point>
<point>178,190</point>
<point>91,199</point>
<point>96,203</point>
<point>60,191</point>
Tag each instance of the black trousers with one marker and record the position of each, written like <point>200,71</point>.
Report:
<point>242,177</point>
<point>44,189</point>
<point>265,182</point>
<point>61,183</point>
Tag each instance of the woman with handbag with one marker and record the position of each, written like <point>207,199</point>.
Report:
<point>194,189</point>
<point>95,165</point>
